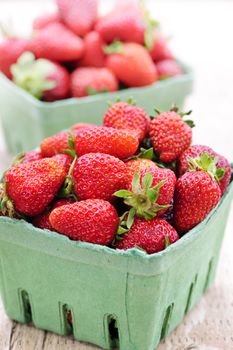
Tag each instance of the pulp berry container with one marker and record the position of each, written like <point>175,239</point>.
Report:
<point>26,120</point>
<point>116,298</point>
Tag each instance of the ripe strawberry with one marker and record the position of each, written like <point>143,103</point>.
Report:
<point>27,157</point>
<point>42,220</point>
<point>138,165</point>
<point>195,152</point>
<point>150,235</point>
<point>170,135</point>
<point>168,68</point>
<point>150,193</point>
<point>160,50</point>
<point>93,51</point>
<point>56,43</point>
<point>196,194</point>
<point>122,115</point>
<point>131,64</point>
<point>55,144</point>
<point>42,21</point>
<point>31,187</point>
<point>78,15</point>
<point>10,50</point>
<point>93,220</point>
<point>41,78</point>
<point>125,23</point>
<point>76,128</point>
<point>119,143</point>
<point>65,160</point>
<point>90,81</point>
<point>98,175</point>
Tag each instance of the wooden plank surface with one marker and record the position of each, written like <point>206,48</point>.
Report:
<point>201,31</point>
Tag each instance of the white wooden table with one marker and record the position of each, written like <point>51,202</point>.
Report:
<point>202,33</point>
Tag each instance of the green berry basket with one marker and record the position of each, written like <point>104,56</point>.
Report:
<point>26,121</point>
<point>116,298</point>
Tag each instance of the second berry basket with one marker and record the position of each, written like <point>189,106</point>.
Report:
<point>114,298</point>
<point>26,120</point>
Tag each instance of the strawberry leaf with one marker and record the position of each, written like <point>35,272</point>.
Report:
<point>167,241</point>
<point>190,123</point>
<point>130,218</point>
<point>136,183</point>
<point>147,181</point>
<point>152,195</point>
<point>147,153</point>
<point>122,194</point>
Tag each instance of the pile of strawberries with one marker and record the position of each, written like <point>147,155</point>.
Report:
<point>76,52</point>
<point>133,182</point>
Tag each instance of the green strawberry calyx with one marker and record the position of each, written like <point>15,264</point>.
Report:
<point>31,74</point>
<point>7,205</point>
<point>206,163</point>
<point>116,47</point>
<point>143,197</point>
<point>175,109</point>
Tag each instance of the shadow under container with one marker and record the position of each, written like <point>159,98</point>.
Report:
<point>26,121</point>
<point>116,298</point>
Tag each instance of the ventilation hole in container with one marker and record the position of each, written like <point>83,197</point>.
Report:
<point>210,266</point>
<point>191,288</point>
<point>25,302</point>
<point>166,321</point>
<point>68,318</point>
<point>113,331</point>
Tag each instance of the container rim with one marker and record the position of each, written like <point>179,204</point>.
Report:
<point>188,74</point>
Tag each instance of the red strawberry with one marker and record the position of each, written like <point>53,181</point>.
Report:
<point>42,21</point>
<point>90,81</point>
<point>160,50</point>
<point>42,220</point>
<point>31,187</point>
<point>76,128</point>
<point>55,144</point>
<point>124,23</point>
<point>196,194</point>
<point>98,175</point>
<point>10,50</point>
<point>168,68</point>
<point>131,64</point>
<point>93,51</point>
<point>65,160</point>
<point>170,135</point>
<point>138,166</point>
<point>78,15</point>
<point>93,220</point>
<point>57,43</point>
<point>27,157</point>
<point>119,143</point>
<point>150,235</point>
<point>195,152</point>
<point>122,115</point>
<point>150,193</point>
<point>42,78</point>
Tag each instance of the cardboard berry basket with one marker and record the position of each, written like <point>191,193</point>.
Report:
<point>116,298</point>
<point>26,120</point>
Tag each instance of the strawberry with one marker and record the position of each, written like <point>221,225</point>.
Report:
<point>196,194</point>
<point>93,220</point>
<point>90,81</point>
<point>123,115</point>
<point>170,135</point>
<point>42,78</point>
<point>93,51</point>
<point>125,23</point>
<point>76,128</point>
<point>196,152</point>
<point>98,175</point>
<point>55,144</point>
<point>27,157</point>
<point>168,68</point>
<point>150,235</point>
<point>119,143</point>
<point>78,15</point>
<point>137,166</point>
<point>160,50</point>
<point>56,43</point>
<point>150,193</point>
<point>32,186</point>
<point>42,21</point>
<point>10,50</point>
<point>131,63</point>
<point>65,161</point>
<point>42,220</point>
